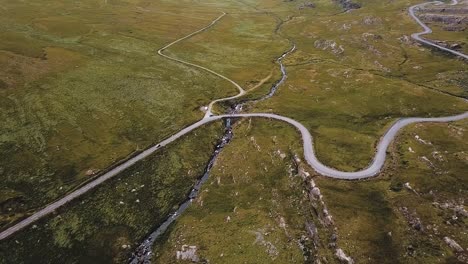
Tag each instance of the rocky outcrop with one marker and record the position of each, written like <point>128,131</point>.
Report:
<point>343,257</point>
<point>307,5</point>
<point>270,249</point>
<point>446,10</point>
<point>443,18</point>
<point>371,20</point>
<point>458,209</point>
<point>188,253</point>
<point>348,5</point>
<point>454,46</point>
<point>450,22</point>
<point>453,245</point>
<point>331,45</point>
<point>412,219</point>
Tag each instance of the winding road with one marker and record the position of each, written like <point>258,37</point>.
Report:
<point>210,106</point>
<point>428,30</point>
<point>372,170</point>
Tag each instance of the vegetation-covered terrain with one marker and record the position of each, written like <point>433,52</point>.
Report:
<point>250,213</point>
<point>106,224</point>
<point>402,216</point>
<point>82,87</point>
<point>355,72</point>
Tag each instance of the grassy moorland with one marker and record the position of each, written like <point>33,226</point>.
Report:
<point>448,23</point>
<point>347,98</point>
<point>230,47</point>
<point>106,224</point>
<point>355,72</point>
<point>403,216</point>
<point>449,37</point>
<point>81,87</point>
<point>255,213</point>
<point>400,217</point>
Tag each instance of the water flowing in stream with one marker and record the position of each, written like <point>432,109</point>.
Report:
<point>144,253</point>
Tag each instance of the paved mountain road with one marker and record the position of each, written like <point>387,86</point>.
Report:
<point>428,30</point>
<point>210,106</point>
<point>309,154</point>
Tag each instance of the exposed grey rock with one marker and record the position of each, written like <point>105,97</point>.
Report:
<point>370,20</point>
<point>452,244</point>
<point>412,219</point>
<point>333,237</point>
<point>271,249</point>
<point>315,192</point>
<point>348,5</point>
<point>188,253</point>
<point>445,19</point>
<point>343,257</point>
<point>446,10</point>
<point>324,44</point>
<point>307,5</point>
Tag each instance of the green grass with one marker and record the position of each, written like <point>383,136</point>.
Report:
<point>450,37</point>
<point>365,212</point>
<point>230,46</point>
<point>82,87</point>
<point>347,100</point>
<point>439,31</point>
<point>122,211</point>
<point>256,197</point>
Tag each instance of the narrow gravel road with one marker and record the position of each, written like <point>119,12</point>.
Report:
<point>309,154</point>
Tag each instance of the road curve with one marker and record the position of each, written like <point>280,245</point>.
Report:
<point>210,106</point>
<point>309,154</point>
<point>428,30</point>
<point>379,159</point>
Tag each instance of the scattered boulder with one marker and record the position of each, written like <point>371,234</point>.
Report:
<point>348,5</point>
<point>91,172</point>
<point>405,39</point>
<point>315,193</point>
<point>455,46</point>
<point>343,257</point>
<point>412,219</point>
<point>271,249</point>
<point>329,45</point>
<point>307,5</point>
<point>453,245</point>
<point>366,36</point>
<point>312,230</point>
<point>188,253</point>
<point>369,20</point>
